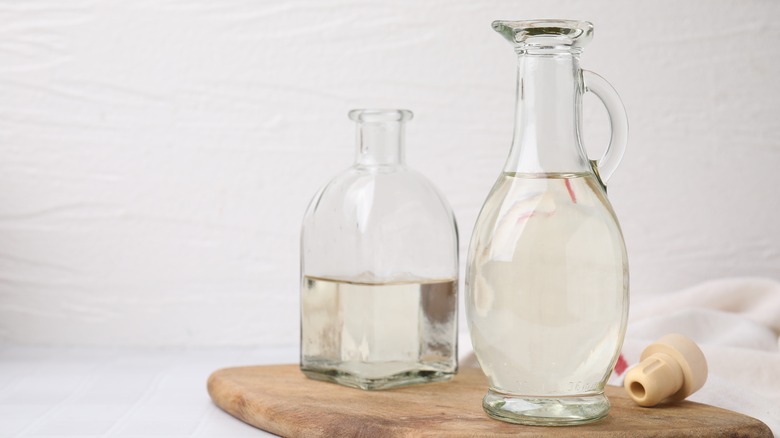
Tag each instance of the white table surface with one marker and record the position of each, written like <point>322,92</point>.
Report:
<point>120,392</point>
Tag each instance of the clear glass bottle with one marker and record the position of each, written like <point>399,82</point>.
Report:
<point>379,269</point>
<point>547,271</point>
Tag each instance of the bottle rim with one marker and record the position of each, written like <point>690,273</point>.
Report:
<point>546,33</point>
<point>378,115</point>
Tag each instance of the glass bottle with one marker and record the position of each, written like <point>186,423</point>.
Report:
<point>379,269</point>
<point>547,271</point>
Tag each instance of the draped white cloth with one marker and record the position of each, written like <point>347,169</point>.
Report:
<point>736,322</point>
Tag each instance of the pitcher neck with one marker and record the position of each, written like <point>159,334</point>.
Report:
<point>380,136</point>
<point>546,138</point>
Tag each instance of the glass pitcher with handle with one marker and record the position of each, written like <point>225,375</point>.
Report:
<point>547,271</point>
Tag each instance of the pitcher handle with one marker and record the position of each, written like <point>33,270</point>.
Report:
<point>618,120</point>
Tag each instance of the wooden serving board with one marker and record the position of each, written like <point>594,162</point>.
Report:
<point>281,400</point>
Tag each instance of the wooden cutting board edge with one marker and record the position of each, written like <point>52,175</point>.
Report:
<point>281,400</point>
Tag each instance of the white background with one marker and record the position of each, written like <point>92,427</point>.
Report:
<point>156,157</point>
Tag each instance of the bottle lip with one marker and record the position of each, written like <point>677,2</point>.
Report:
<point>378,115</point>
<point>546,33</point>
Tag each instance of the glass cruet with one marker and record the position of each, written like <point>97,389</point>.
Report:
<point>547,270</point>
<point>379,269</point>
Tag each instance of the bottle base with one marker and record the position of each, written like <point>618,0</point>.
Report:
<point>405,378</point>
<point>546,411</point>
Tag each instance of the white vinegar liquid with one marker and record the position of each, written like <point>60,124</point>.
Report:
<point>378,335</point>
<point>547,286</point>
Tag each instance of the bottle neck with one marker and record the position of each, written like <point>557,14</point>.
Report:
<point>546,137</point>
<point>380,143</point>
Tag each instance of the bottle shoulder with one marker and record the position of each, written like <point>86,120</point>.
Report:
<point>399,185</point>
<point>517,200</point>
<point>377,202</point>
